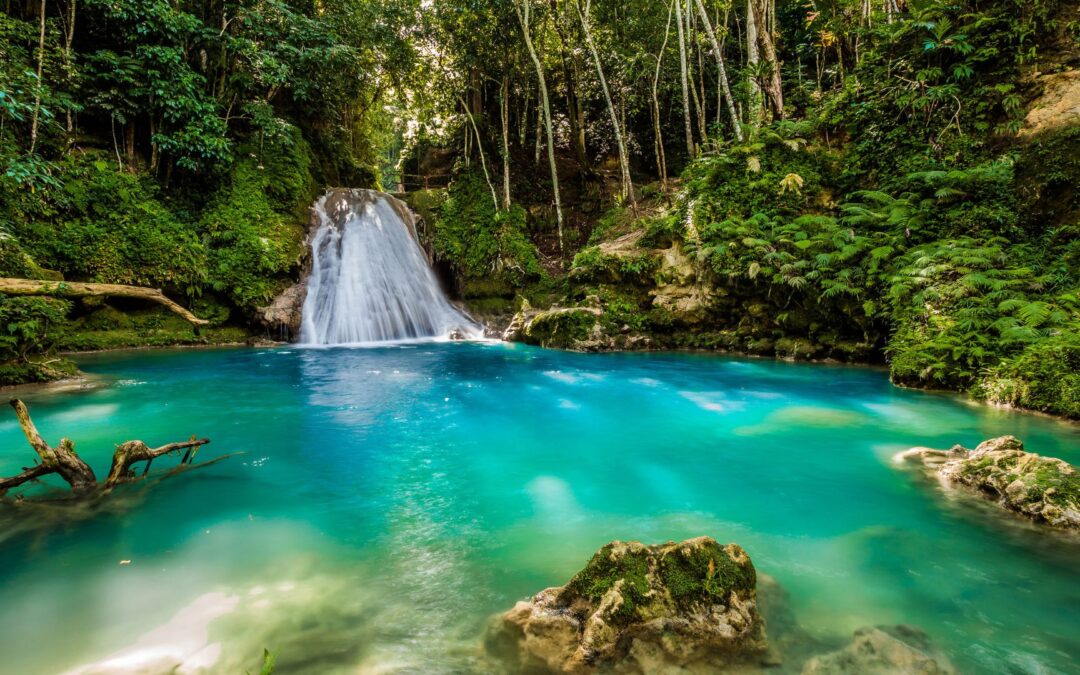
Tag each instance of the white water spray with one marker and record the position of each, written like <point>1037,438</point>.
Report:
<point>370,280</point>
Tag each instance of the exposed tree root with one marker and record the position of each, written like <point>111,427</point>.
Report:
<point>64,462</point>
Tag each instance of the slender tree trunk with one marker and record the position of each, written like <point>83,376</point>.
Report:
<point>691,48</point>
<point>661,160</point>
<point>539,131</point>
<point>627,186</point>
<point>38,84</point>
<point>69,65</point>
<point>773,85</point>
<point>524,9</point>
<point>721,71</point>
<point>480,151</point>
<point>685,85</point>
<point>574,112</point>
<point>504,109</point>
<point>753,57</point>
<point>703,109</point>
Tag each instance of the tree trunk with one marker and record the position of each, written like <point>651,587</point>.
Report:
<point>69,65</point>
<point>524,9</point>
<point>574,112</point>
<point>480,150</point>
<point>773,85</point>
<point>661,160</point>
<point>38,84</point>
<point>504,110</point>
<point>753,57</point>
<point>685,85</point>
<point>627,186</point>
<point>63,461</point>
<point>76,289</point>
<point>721,71</point>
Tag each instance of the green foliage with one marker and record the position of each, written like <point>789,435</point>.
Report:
<point>29,325</point>
<point>592,264</point>
<point>481,242</point>
<point>110,226</point>
<point>250,246</point>
<point>1045,376</point>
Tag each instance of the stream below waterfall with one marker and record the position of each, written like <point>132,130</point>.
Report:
<point>389,500</point>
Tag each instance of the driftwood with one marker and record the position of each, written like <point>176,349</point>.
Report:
<point>63,461</point>
<point>77,289</point>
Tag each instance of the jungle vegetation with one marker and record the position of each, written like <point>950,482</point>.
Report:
<point>865,177</point>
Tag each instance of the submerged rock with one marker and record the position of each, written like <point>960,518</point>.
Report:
<point>1045,489</point>
<point>883,650</point>
<point>640,609</point>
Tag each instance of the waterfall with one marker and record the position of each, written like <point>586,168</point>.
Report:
<point>370,280</point>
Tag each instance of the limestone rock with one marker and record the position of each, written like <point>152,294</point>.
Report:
<point>1045,489</point>
<point>559,327</point>
<point>884,650</point>
<point>640,609</point>
<point>282,315</point>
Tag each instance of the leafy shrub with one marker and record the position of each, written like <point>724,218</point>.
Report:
<point>250,246</point>
<point>1045,377</point>
<point>109,226</point>
<point>481,242</point>
<point>29,325</point>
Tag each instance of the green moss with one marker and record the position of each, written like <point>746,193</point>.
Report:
<point>560,328</point>
<point>252,248</point>
<point>604,571</point>
<point>1065,487</point>
<point>592,264</point>
<point>692,575</point>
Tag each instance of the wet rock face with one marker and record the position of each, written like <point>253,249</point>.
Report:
<point>282,316</point>
<point>640,609</point>
<point>884,650</point>
<point>1044,489</point>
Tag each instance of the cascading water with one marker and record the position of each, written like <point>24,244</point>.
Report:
<point>370,280</point>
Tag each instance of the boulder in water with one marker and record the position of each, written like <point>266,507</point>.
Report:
<point>640,609</point>
<point>1045,489</point>
<point>883,650</point>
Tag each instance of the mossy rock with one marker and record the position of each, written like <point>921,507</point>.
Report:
<point>638,608</point>
<point>1043,489</point>
<point>560,327</point>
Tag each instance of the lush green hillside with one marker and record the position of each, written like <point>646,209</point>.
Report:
<point>892,183</point>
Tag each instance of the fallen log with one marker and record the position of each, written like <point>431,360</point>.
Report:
<point>79,289</point>
<point>63,461</point>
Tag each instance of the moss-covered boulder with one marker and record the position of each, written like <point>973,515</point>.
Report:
<point>558,327</point>
<point>640,609</point>
<point>1044,489</point>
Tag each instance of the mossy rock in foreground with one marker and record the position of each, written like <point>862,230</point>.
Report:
<point>1044,489</point>
<point>638,608</point>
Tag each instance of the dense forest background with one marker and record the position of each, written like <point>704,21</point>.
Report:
<point>867,181</point>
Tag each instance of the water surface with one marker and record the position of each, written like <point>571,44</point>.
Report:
<point>389,500</point>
